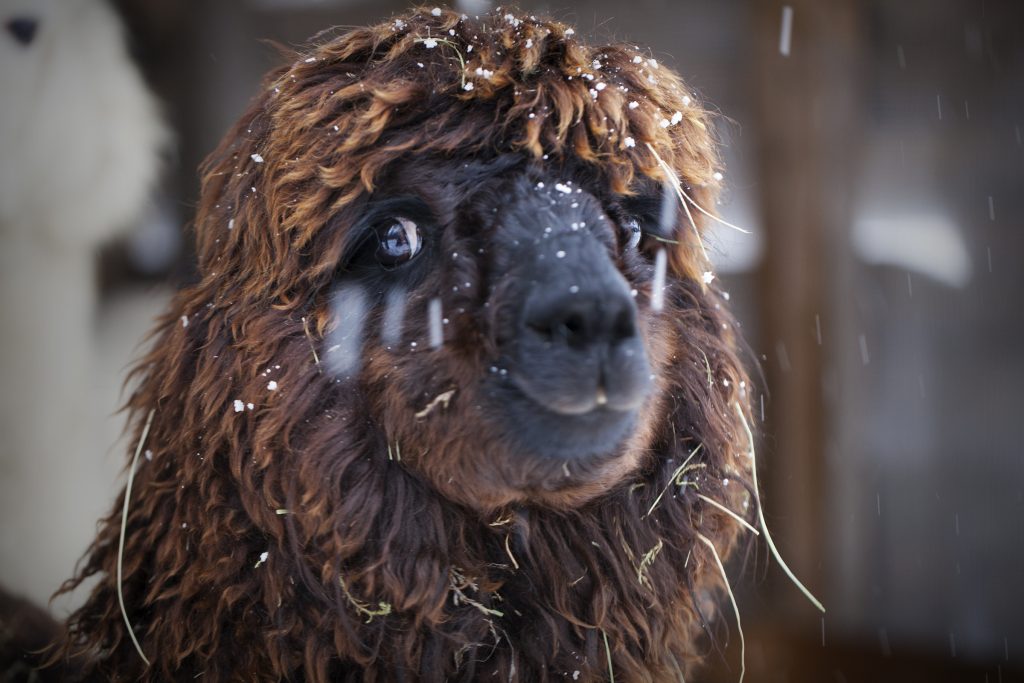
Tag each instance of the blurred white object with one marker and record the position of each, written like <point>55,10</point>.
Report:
<point>473,6</point>
<point>929,244</point>
<point>157,240</point>
<point>730,250</point>
<point>78,129</point>
<point>80,137</point>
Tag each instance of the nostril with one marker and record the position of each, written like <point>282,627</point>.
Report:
<point>580,323</point>
<point>23,29</point>
<point>574,324</point>
<point>567,327</point>
<point>624,327</point>
<point>574,328</point>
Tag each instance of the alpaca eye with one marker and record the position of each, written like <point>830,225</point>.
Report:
<point>632,229</point>
<point>399,241</point>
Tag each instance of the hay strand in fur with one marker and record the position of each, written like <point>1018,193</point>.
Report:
<point>711,215</point>
<point>677,186</point>
<point>608,652</point>
<point>674,478</point>
<point>764,526</point>
<point>124,523</point>
<point>732,599</point>
<point>747,525</point>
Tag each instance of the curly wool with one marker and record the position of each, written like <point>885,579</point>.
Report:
<point>281,541</point>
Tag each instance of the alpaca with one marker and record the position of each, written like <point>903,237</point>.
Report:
<point>75,172</point>
<point>452,398</point>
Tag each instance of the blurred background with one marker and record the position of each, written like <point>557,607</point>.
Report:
<point>873,148</point>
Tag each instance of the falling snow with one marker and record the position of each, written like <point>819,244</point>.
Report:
<point>434,320</point>
<point>786,30</point>
<point>349,307</point>
<point>658,283</point>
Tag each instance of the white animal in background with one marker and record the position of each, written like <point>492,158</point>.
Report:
<point>80,140</point>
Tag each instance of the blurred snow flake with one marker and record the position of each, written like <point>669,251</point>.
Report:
<point>786,30</point>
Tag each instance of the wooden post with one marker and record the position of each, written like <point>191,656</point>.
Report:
<point>807,110</point>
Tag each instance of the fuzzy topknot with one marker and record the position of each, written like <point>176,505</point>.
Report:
<point>295,525</point>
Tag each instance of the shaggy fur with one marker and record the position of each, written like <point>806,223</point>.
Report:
<point>421,548</point>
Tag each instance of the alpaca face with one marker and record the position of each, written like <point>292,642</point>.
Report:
<point>519,293</point>
<point>471,246</point>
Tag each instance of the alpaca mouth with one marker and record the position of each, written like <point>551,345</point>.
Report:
<point>566,429</point>
<point>585,395</point>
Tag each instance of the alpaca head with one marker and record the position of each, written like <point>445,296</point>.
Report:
<point>468,214</point>
<point>74,181</point>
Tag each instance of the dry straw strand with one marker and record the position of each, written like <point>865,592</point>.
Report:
<point>124,523</point>
<point>729,512</point>
<point>764,526</point>
<point>711,215</point>
<point>677,186</point>
<point>674,477</point>
<point>732,599</point>
<point>608,651</point>
<point>312,346</point>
